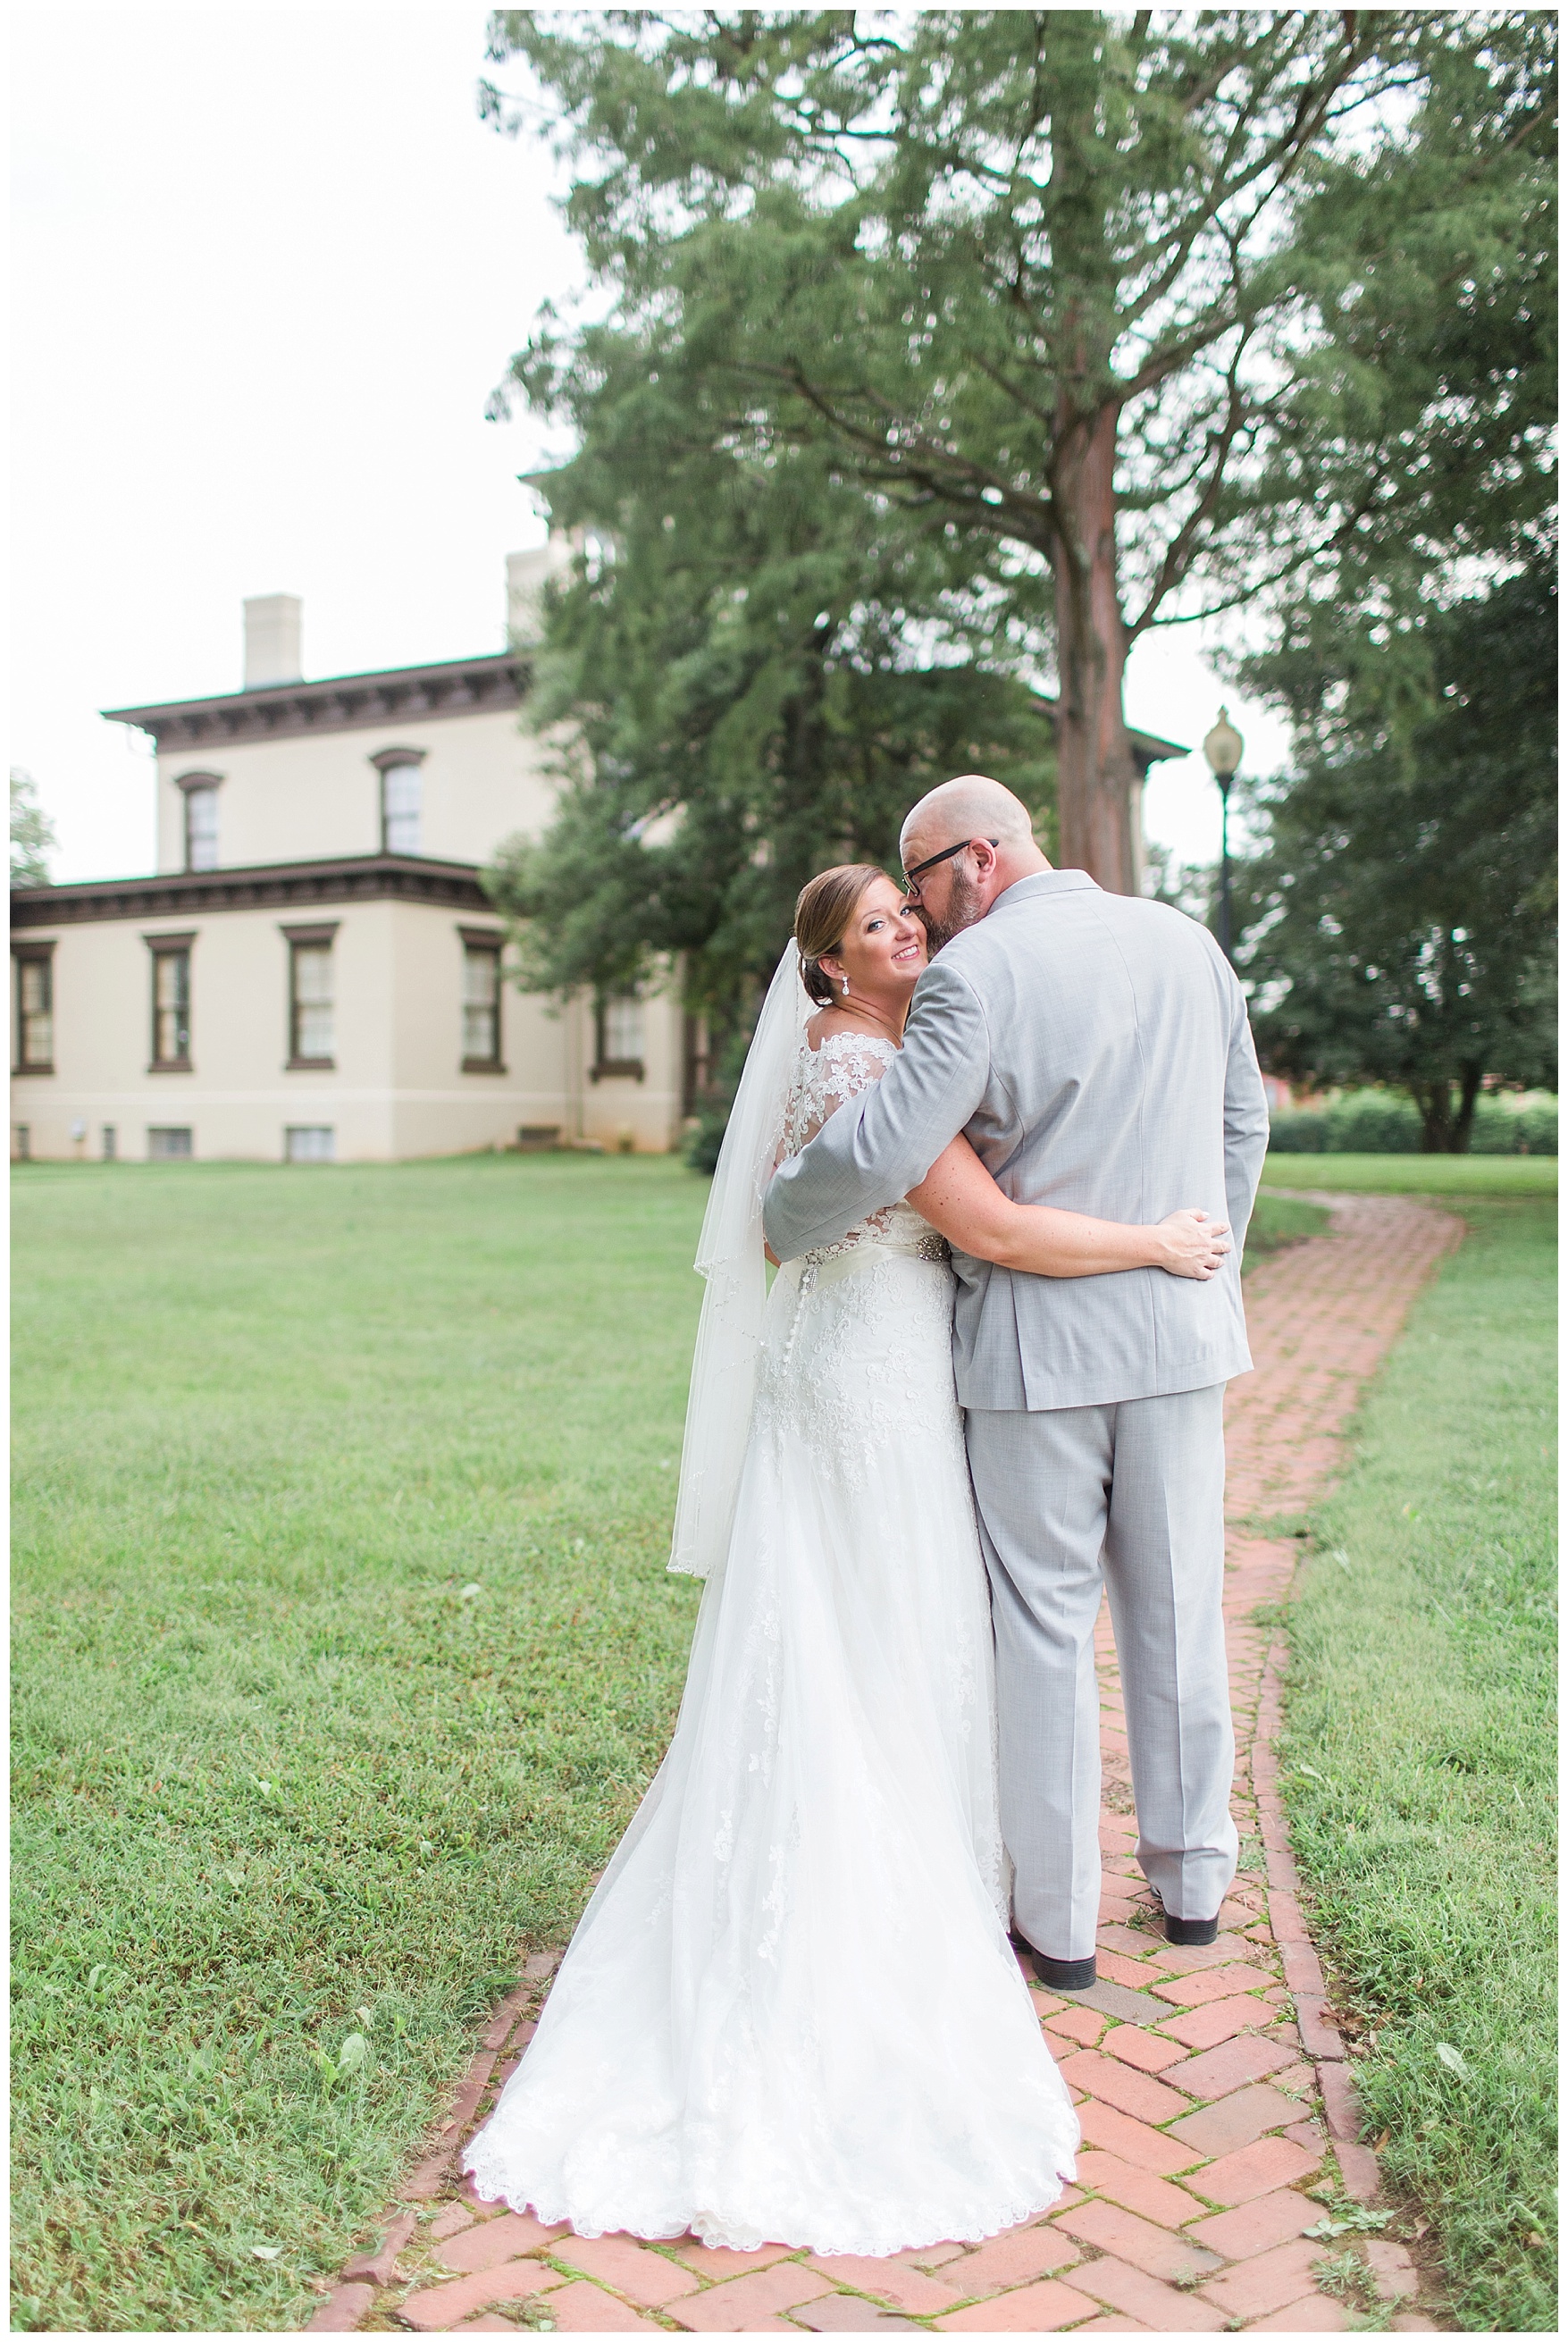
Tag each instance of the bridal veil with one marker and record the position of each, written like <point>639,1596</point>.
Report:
<point>730,1256</point>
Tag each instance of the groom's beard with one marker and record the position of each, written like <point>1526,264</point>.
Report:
<point>964,909</point>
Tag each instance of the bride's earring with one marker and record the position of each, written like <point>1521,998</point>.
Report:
<point>846,987</point>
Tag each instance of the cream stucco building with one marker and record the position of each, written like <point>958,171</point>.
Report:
<point>314,971</point>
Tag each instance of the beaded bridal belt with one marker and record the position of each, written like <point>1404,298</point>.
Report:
<point>814,1271</point>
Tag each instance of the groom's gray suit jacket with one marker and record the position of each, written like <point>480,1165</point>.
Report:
<point>1094,1049</point>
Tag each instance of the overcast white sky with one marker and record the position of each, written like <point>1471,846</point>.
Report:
<point>268,266</point>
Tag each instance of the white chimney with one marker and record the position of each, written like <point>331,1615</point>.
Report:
<point>273,626</point>
<point>527,574</point>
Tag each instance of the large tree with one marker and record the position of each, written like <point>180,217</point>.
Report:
<point>1047,278</point>
<point>738,697</point>
<point>1401,923</point>
<point>1428,414</point>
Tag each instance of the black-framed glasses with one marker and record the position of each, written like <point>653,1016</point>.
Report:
<point>931,860</point>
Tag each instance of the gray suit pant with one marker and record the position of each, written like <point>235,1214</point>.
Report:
<point>1130,1496</point>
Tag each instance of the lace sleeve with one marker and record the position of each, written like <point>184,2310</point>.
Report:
<point>827,1078</point>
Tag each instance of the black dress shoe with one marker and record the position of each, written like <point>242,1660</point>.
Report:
<point>1065,1976</point>
<point>1190,1931</point>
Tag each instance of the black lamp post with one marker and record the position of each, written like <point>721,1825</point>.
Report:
<point>1222,747</point>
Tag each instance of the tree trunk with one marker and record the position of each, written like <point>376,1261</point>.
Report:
<point>1096,775</point>
<point>1445,1128</point>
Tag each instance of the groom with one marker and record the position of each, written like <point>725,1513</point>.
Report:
<point>1094,1049</point>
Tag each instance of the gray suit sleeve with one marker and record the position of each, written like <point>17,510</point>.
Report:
<point>882,1143</point>
<point>1246,1120</point>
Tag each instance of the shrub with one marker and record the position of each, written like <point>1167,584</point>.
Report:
<point>1381,1122</point>
<point>705,1136</point>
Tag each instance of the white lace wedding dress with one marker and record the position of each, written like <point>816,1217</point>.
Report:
<point>791,2014</point>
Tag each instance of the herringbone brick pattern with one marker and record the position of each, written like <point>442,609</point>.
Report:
<point>1211,2084</point>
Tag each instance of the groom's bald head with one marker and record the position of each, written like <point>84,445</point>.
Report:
<point>971,806</point>
<point>978,814</point>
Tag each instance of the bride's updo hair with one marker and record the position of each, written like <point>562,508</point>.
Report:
<point>823,912</point>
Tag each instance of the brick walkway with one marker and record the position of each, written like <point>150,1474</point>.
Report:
<point>1213,2087</point>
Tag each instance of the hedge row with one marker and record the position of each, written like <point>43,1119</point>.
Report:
<point>1377,1122</point>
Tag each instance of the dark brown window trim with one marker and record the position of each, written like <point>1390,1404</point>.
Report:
<point>612,1069</point>
<point>190,784</point>
<point>165,946</point>
<point>38,950</point>
<point>398,760</point>
<point>318,936</point>
<point>494,941</point>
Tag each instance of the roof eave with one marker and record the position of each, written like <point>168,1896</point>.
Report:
<point>342,878</point>
<point>338,703</point>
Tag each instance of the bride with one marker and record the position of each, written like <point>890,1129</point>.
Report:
<point>790,2013</point>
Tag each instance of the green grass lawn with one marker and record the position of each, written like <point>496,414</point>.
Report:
<point>1278,1222</point>
<point>1421,1763</point>
<point>1417,1175</point>
<point>345,1646</point>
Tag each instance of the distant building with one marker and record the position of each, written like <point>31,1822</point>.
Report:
<point>314,973</point>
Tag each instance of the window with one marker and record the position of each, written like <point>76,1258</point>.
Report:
<point>171,1003</point>
<point>619,1052</point>
<point>201,826</point>
<point>313,1031</point>
<point>35,1009</point>
<point>480,1002</point>
<point>308,1142</point>
<point>166,1145</point>
<point>21,1142</point>
<point>400,797</point>
<point>624,1031</point>
<point>111,1143</point>
<point>310,996</point>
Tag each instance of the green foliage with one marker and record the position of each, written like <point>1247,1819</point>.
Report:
<point>944,241</point>
<point>344,1645</point>
<point>707,1136</point>
<point>33,838</point>
<point>1419,433</point>
<point>746,707</point>
<point>1080,302</point>
<point>1399,925</point>
<point>1420,1764</point>
<point>1380,1122</point>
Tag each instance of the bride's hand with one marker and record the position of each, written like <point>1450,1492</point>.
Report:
<point>1189,1244</point>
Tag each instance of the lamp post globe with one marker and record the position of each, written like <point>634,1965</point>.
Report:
<point>1222,747</point>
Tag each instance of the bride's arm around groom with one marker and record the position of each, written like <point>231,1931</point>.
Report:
<point>1096,1051</point>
